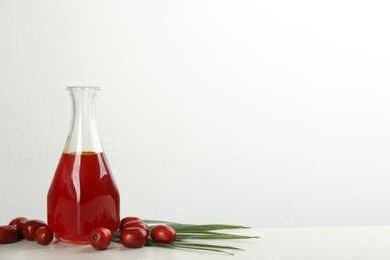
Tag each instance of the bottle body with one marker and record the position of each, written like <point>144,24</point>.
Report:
<point>83,194</point>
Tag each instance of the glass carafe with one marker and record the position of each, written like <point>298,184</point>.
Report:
<point>83,194</point>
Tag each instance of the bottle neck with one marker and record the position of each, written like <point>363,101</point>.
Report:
<point>83,135</point>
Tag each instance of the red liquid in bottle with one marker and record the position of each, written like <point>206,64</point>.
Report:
<point>83,195</point>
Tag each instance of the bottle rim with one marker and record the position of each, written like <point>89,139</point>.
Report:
<point>83,88</point>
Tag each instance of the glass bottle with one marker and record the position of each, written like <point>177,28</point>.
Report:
<point>83,194</point>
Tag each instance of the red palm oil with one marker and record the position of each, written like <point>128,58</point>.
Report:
<point>82,196</point>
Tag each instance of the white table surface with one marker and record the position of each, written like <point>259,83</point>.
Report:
<point>330,243</point>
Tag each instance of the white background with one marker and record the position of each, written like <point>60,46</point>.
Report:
<point>261,113</point>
